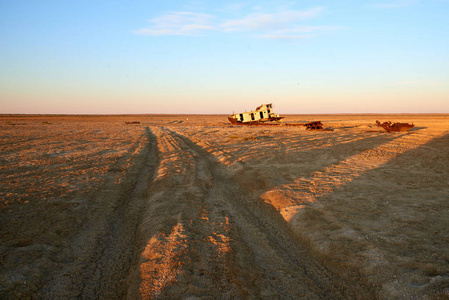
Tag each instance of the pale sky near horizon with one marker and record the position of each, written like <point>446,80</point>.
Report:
<point>219,57</point>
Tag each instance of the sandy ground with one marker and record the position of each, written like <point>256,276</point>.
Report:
<point>188,206</point>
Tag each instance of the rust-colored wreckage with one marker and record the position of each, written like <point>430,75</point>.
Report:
<point>389,127</point>
<point>132,123</point>
<point>314,125</point>
<point>263,113</point>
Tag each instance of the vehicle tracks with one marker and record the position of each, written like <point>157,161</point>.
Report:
<point>182,226</point>
<point>202,235</point>
<point>103,250</point>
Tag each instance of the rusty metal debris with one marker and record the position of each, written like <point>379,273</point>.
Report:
<point>132,123</point>
<point>389,127</point>
<point>314,125</point>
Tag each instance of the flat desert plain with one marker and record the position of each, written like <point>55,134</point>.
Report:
<point>189,206</point>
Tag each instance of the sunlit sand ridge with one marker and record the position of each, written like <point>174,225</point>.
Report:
<point>330,178</point>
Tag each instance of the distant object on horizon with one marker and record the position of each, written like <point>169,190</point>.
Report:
<point>263,113</point>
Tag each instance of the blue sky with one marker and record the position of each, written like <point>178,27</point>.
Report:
<point>90,57</point>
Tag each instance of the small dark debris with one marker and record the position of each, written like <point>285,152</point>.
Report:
<point>314,125</point>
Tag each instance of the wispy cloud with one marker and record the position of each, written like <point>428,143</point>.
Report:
<point>264,21</point>
<point>178,23</point>
<point>284,24</point>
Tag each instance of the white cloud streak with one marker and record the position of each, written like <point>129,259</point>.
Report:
<point>285,24</point>
<point>264,21</point>
<point>178,23</point>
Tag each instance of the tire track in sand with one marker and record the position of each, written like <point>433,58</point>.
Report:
<point>202,235</point>
<point>105,250</point>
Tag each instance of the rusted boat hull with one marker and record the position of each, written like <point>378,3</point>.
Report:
<point>262,121</point>
<point>395,127</point>
<point>400,127</point>
<point>262,114</point>
<point>233,120</point>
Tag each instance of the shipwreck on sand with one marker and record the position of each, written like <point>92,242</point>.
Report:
<point>389,127</point>
<point>263,113</point>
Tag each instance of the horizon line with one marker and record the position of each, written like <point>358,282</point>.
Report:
<point>209,114</point>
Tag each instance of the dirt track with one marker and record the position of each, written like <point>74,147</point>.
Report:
<point>219,240</point>
<point>199,208</point>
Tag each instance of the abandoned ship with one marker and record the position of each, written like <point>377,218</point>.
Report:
<point>263,113</point>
